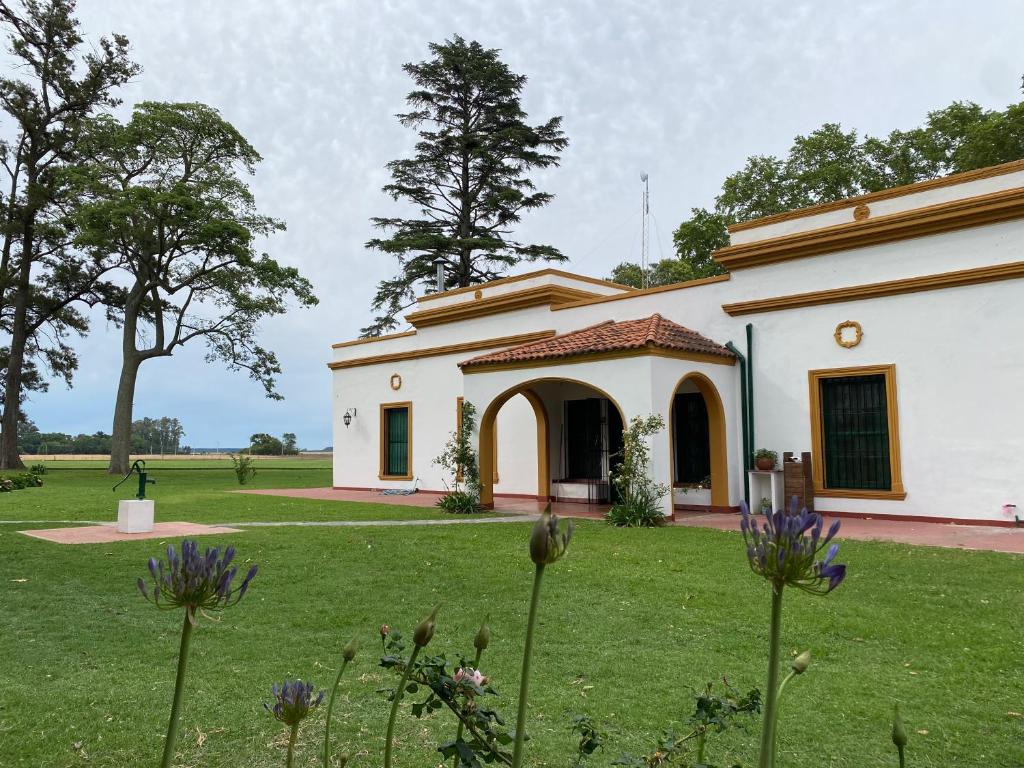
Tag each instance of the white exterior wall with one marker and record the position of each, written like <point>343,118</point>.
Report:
<point>959,371</point>
<point>959,382</point>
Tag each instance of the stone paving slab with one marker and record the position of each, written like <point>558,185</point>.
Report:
<point>108,533</point>
<point>925,533</point>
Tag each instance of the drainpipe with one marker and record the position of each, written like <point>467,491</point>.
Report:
<point>750,387</point>
<point>743,412</point>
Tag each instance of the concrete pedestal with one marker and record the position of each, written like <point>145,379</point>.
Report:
<point>135,515</point>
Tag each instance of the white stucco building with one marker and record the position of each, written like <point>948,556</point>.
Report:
<point>882,334</point>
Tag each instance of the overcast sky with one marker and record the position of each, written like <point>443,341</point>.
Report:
<point>682,90</point>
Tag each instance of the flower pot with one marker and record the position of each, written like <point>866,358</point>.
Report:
<point>765,464</point>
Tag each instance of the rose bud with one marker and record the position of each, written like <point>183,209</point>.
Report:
<point>483,637</point>
<point>422,634</point>
<point>349,652</point>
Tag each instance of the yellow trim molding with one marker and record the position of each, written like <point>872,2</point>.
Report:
<point>884,194</point>
<point>382,473</point>
<point>973,276</point>
<point>527,276</point>
<point>814,378</point>
<point>448,349</point>
<point>372,339</point>
<point>645,292</point>
<point>536,296</point>
<point>716,437</point>
<point>696,357</point>
<point>944,217</point>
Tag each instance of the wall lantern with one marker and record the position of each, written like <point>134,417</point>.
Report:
<point>349,415</point>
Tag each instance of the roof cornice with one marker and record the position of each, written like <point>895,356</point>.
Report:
<point>944,217</point>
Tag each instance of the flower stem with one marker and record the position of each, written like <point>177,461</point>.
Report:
<point>179,693</point>
<point>524,680</point>
<point>767,757</point>
<point>291,744</point>
<point>330,708</point>
<point>394,706</point>
<point>462,725</point>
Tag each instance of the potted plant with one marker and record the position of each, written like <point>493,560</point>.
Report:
<point>765,459</point>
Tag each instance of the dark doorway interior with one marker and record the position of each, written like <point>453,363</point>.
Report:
<point>692,438</point>
<point>584,439</point>
<point>592,440</point>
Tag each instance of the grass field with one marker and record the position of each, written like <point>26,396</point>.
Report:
<point>201,494</point>
<point>632,621</point>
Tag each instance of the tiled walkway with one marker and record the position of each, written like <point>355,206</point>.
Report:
<point>924,533</point>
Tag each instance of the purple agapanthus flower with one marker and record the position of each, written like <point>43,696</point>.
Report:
<point>293,701</point>
<point>786,549</point>
<point>195,581</point>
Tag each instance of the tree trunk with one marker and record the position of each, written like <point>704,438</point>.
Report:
<point>121,433</point>
<point>9,456</point>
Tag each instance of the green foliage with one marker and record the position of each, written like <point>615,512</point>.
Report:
<point>459,459</point>
<point>830,164</point>
<point>446,687</point>
<point>468,178</point>
<point>19,481</point>
<point>459,503</point>
<point>169,197</point>
<point>37,469</point>
<point>160,435</point>
<point>263,444</point>
<point>591,737</point>
<point>714,713</point>
<point>638,496</point>
<point>244,467</point>
<point>58,82</point>
<point>764,453</point>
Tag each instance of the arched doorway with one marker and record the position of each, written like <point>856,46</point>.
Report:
<point>589,432</point>
<point>697,437</point>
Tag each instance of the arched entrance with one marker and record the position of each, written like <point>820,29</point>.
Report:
<point>548,407</point>
<point>697,440</point>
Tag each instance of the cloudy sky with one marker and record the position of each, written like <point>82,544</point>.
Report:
<point>682,90</point>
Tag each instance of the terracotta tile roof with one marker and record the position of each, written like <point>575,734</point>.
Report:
<point>654,332</point>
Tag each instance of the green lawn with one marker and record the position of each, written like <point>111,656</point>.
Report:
<point>201,494</point>
<point>631,622</point>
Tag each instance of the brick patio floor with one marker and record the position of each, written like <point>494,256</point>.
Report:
<point>924,533</point>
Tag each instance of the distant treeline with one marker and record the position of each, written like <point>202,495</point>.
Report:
<point>162,435</point>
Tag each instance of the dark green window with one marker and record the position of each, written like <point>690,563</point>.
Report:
<point>396,441</point>
<point>855,432</point>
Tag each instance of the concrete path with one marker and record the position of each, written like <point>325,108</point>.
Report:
<point>383,523</point>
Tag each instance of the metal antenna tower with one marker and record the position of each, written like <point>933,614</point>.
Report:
<point>645,232</point>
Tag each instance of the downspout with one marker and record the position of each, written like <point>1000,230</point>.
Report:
<point>750,388</point>
<point>743,412</point>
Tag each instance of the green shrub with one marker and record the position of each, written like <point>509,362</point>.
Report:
<point>459,503</point>
<point>19,481</point>
<point>459,459</point>
<point>38,469</point>
<point>639,497</point>
<point>244,466</point>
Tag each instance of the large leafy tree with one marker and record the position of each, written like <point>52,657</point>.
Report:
<point>468,178</point>
<point>59,84</point>
<point>831,164</point>
<point>171,204</point>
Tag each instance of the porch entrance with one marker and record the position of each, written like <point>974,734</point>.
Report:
<point>578,433</point>
<point>590,450</point>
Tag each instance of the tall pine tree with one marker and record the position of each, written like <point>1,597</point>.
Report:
<point>468,178</point>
